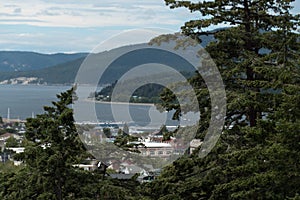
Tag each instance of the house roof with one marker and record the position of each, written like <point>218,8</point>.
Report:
<point>156,144</point>
<point>195,143</point>
<point>121,176</point>
<point>134,169</point>
<point>17,149</point>
<point>6,135</point>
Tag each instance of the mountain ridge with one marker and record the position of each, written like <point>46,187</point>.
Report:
<point>65,69</point>
<point>12,61</point>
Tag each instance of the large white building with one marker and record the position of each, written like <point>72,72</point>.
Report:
<point>156,149</point>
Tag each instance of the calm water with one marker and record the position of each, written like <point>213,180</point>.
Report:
<point>25,100</point>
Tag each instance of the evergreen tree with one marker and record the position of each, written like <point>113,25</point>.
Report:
<point>258,57</point>
<point>240,51</point>
<point>12,142</point>
<point>52,147</point>
<point>107,132</point>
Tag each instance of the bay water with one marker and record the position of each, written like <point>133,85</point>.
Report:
<point>24,101</point>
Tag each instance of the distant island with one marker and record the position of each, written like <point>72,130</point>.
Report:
<point>149,93</point>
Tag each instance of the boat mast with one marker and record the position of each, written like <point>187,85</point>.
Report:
<point>8,115</point>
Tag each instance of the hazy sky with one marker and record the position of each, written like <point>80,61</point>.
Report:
<point>78,26</point>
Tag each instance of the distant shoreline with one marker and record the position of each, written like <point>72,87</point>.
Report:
<point>119,103</point>
<point>5,120</point>
<point>34,84</point>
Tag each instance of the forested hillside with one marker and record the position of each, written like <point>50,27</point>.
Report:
<point>12,61</point>
<point>62,68</point>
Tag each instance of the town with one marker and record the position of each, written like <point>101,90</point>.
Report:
<point>148,143</point>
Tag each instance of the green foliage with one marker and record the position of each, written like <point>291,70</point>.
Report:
<point>12,142</point>
<point>8,167</point>
<point>257,158</point>
<point>52,146</point>
<point>10,130</point>
<point>51,149</point>
<point>107,132</point>
<point>148,93</point>
<point>165,132</point>
<point>124,140</point>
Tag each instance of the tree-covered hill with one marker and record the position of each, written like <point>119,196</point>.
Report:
<point>62,68</point>
<point>11,61</point>
<point>64,73</point>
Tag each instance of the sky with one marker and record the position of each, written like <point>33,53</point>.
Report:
<point>50,26</point>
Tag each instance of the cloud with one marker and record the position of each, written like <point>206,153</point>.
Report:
<point>73,25</point>
<point>19,20</point>
<point>18,10</point>
<point>38,42</point>
<point>10,6</point>
<point>73,13</point>
<point>296,5</point>
<point>91,13</point>
<point>52,40</point>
